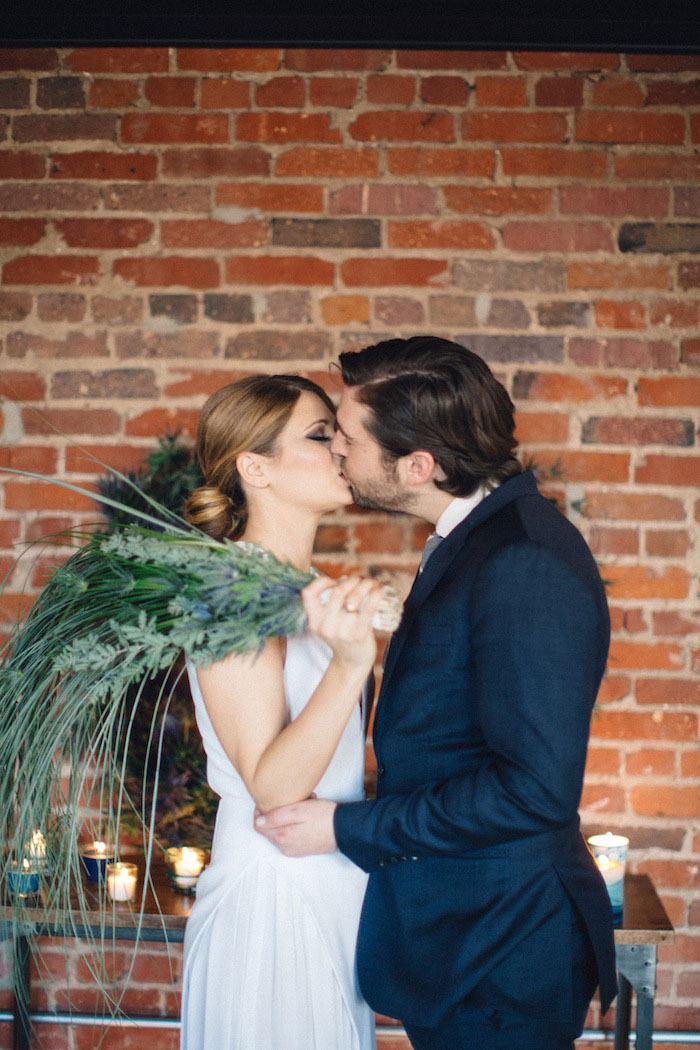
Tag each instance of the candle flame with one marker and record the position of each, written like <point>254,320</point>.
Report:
<point>100,847</point>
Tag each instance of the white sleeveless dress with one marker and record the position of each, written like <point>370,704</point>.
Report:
<point>269,961</point>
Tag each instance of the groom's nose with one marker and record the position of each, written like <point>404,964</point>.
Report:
<point>338,444</point>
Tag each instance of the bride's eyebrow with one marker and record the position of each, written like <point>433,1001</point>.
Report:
<point>323,419</point>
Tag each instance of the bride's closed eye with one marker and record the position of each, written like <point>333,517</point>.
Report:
<point>320,435</point>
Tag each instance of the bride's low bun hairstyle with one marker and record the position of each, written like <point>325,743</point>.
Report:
<point>246,416</point>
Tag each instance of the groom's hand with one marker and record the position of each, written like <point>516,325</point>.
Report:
<point>300,829</point>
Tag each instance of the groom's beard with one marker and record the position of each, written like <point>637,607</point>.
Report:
<point>382,494</point>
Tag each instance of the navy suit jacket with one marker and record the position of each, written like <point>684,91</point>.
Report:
<point>481,730</point>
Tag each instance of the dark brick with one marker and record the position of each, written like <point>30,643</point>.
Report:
<point>276,346</point>
<point>116,382</point>
<point>232,309</point>
<point>508,313</point>
<point>60,93</point>
<point>188,343</point>
<point>504,348</point>
<point>689,274</point>
<point>61,306</point>
<point>64,127</point>
<point>15,306</point>
<point>125,310</point>
<point>287,307</point>
<point>612,430</point>
<point>556,314</point>
<point>14,93</point>
<point>479,275</point>
<point>12,58</point>
<point>180,308</point>
<point>659,237</point>
<point>326,233</point>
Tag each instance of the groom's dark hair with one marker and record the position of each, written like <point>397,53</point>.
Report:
<point>432,394</point>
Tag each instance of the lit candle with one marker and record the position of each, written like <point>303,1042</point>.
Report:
<point>610,854</point>
<point>121,881</point>
<point>37,846</point>
<point>186,866</point>
<point>95,859</point>
<point>22,880</point>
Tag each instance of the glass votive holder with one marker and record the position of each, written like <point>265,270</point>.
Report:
<point>185,864</point>
<point>121,881</point>
<point>22,879</point>
<point>95,859</point>
<point>610,854</point>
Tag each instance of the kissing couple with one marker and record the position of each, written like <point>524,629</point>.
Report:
<point>462,900</point>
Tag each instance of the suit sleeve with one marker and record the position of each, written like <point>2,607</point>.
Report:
<point>536,644</point>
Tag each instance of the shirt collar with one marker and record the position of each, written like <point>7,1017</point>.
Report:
<point>456,511</point>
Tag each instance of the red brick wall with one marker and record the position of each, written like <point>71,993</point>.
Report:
<point>171,219</point>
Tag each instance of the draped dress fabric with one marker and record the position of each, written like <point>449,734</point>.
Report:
<point>269,959</point>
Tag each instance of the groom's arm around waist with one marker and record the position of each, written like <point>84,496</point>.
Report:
<point>538,640</point>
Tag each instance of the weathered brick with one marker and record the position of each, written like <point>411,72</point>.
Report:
<point>683,93</point>
<point>337,92</point>
<point>119,60</point>
<point>21,232</point>
<point>640,581</point>
<point>326,233</point>
<point>232,309</point>
<point>70,421</point>
<point>170,92</point>
<point>108,93</point>
<point>664,165</point>
<point>209,162</point>
<point>398,126</point>
<point>61,306</point>
<point>430,162</point>
<point>331,162</point>
<point>536,428</point>
<point>202,382</point>
<point>554,163</point>
<point>559,91</point>
<point>171,344</point>
<point>440,233</point>
<point>104,233</point>
<point>416,272</point>
<point>674,313</point>
<point>277,269</point>
<point>690,352</point>
<point>615,313</point>
<point>127,309</point>
<point>557,236</point>
<point>75,344</point>
<point>587,466</point>
<point>211,233</point>
<point>580,60</point>
<point>388,88</point>
<point>617,91</point>
<point>558,386</point>
<point>516,126</point>
<point>287,307</point>
<point>87,164</point>
<point>398,310</point>
<point>689,275</point>
<point>224,93</point>
<point>345,309</point>
<point>603,761</point>
<point>444,91</point>
<point>15,306</point>
<point>612,542</point>
<point>157,197</point>
<point>674,623</point>
<point>228,59</point>
<point>168,270</point>
<point>22,164</point>
<point>285,127</point>
<point>665,801</point>
<point>175,127</point>
<point>29,58</point>
<point>506,276</point>
<point>451,310</point>
<point>271,197</point>
<point>672,390</point>
<point>624,353</point>
<point>51,269</point>
<point>23,386</point>
<point>275,345</point>
<point>592,275</point>
<point>667,691</point>
<point>506,348</point>
<point>630,126</point>
<point>659,237</point>
<point>60,93</point>
<point>449,59</point>
<point>686,201</point>
<point>508,91</point>
<point>647,201</point>
<point>158,421</point>
<point>559,313</point>
<point>668,470</point>
<point>634,725</point>
<point>383,199</point>
<point>616,430</point>
<point>318,59</point>
<point>14,93</point>
<point>602,798</point>
<point>655,63</point>
<point>507,313</point>
<point>64,127</point>
<point>115,382</point>
<point>498,200</point>
<point>179,308</point>
<point>44,198</point>
<point>634,506</point>
<point>20,495</point>
<point>667,543</point>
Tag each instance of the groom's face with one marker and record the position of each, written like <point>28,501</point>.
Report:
<point>374,481</point>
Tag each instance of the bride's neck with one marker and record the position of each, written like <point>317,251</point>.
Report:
<point>291,538</point>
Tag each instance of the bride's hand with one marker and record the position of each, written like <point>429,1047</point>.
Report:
<point>341,613</point>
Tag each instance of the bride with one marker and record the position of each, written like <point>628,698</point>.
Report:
<point>270,944</point>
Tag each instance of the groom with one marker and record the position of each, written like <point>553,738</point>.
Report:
<point>486,923</point>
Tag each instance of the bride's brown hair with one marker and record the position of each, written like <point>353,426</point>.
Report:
<point>246,416</point>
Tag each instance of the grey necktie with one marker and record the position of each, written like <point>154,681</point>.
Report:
<point>430,544</point>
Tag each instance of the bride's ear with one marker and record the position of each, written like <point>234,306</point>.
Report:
<point>251,470</point>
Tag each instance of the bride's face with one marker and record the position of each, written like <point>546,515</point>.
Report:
<point>302,471</point>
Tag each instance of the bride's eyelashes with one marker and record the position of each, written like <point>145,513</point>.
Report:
<point>320,435</point>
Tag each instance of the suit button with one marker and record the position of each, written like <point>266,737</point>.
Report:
<point>381,770</point>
